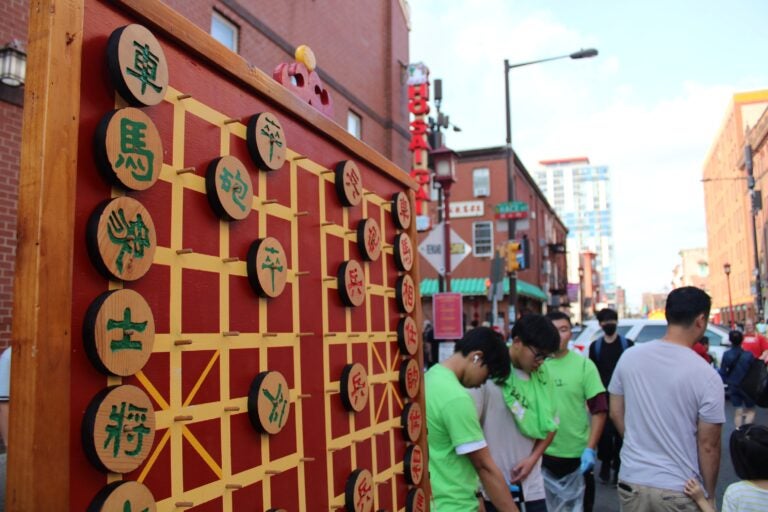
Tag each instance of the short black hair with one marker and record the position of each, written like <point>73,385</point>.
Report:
<point>491,344</point>
<point>685,304</point>
<point>749,452</point>
<point>606,315</point>
<point>558,315</point>
<point>537,331</point>
<point>735,337</point>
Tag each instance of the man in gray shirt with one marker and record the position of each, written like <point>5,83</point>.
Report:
<point>668,403</point>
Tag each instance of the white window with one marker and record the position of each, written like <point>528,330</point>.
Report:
<point>224,31</point>
<point>482,239</point>
<point>355,124</point>
<point>481,182</point>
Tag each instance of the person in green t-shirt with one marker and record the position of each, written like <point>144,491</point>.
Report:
<point>458,453</point>
<point>572,452</point>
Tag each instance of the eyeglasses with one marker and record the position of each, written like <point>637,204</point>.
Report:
<point>538,356</point>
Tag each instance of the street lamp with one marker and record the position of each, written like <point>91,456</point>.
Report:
<point>13,64</point>
<point>727,270</point>
<point>581,295</point>
<point>755,205</point>
<point>581,54</point>
<point>445,174</point>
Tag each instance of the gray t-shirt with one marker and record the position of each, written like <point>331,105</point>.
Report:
<point>505,442</point>
<point>667,389</point>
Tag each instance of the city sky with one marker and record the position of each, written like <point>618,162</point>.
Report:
<point>649,106</point>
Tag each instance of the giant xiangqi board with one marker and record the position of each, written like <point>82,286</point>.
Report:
<point>269,345</point>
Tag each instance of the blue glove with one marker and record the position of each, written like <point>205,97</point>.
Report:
<point>587,460</point>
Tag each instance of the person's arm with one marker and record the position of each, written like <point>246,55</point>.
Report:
<point>493,481</point>
<point>694,491</point>
<point>708,442</point>
<point>521,471</point>
<point>616,408</point>
<point>596,428</point>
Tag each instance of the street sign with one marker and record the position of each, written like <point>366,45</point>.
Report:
<point>431,248</point>
<point>512,210</point>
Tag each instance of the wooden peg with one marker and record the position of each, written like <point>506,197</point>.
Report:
<point>231,408</point>
<point>327,171</point>
<point>178,343</point>
<point>231,121</point>
<point>323,224</point>
<point>355,335</point>
<point>387,246</point>
<point>233,487</point>
<point>184,251</point>
<point>232,259</point>
<point>272,472</point>
<point>369,193</point>
<point>304,334</point>
<point>304,395</point>
<point>184,417</point>
<point>183,97</point>
<point>299,157</point>
<point>269,201</point>
<point>330,334</point>
<point>307,459</point>
<point>350,232</point>
<point>184,504</point>
<point>329,279</point>
<point>302,273</point>
<point>185,170</point>
<point>300,214</point>
<point>230,333</point>
<point>331,391</point>
<point>237,188</point>
<point>270,334</point>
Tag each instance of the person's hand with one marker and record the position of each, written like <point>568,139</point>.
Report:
<point>587,460</point>
<point>522,470</point>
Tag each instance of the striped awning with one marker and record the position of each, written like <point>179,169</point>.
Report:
<point>476,286</point>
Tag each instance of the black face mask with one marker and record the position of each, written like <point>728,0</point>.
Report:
<point>609,329</point>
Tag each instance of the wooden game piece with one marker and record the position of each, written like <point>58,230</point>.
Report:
<point>121,239</point>
<point>369,239</point>
<point>407,336</point>
<point>351,283</point>
<point>401,210</point>
<point>410,378</point>
<point>188,250</point>
<point>416,500</point>
<point>403,252</point>
<point>128,149</point>
<point>358,492</point>
<point>267,267</point>
<point>185,170</point>
<point>137,65</point>
<point>349,183</point>
<point>228,188</point>
<point>268,402</point>
<point>405,293</point>
<point>354,387</point>
<point>266,141</point>
<point>123,495</point>
<point>119,332</point>
<point>411,420</point>
<point>119,429</point>
<point>413,463</point>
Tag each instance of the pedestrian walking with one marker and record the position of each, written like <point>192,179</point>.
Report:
<point>733,369</point>
<point>605,353</point>
<point>568,461</point>
<point>668,404</point>
<point>458,451</point>
<point>754,341</point>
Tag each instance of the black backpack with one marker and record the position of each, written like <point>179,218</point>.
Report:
<point>755,383</point>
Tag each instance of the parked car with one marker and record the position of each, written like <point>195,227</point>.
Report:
<point>641,330</point>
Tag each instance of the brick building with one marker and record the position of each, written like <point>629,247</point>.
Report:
<point>481,184</point>
<point>362,59</point>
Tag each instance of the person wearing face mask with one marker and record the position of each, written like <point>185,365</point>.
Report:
<point>605,353</point>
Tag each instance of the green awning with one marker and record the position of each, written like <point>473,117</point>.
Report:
<point>476,286</point>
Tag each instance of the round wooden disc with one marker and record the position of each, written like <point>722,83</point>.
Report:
<point>128,149</point>
<point>411,420</point>
<point>119,332</point>
<point>413,464</point>
<point>123,495</point>
<point>121,239</point>
<point>369,239</point>
<point>119,429</point>
<point>269,405</point>
<point>354,387</point>
<point>416,500</point>
<point>266,141</point>
<point>410,378</point>
<point>407,336</point>
<point>401,210</point>
<point>229,188</point>
<point>349,183</point>
<point>137,65</point>
<point>267,267</point>
<point>358,492</point>
<point>403,252</point>
<point>405,293</point>
<point>351,281</point>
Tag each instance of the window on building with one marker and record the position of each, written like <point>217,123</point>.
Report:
<point>482,239</point>
<point>355,124</point>
<point>224,31</point>
<point>481,182</point>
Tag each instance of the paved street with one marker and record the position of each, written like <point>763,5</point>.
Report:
<point>607,501</point>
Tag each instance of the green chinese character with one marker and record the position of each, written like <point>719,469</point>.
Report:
<point>126,343</point>
<point>145,64</point>
<point>132,236</point>
<point>127,507</point>
<point>274,136</point>
<point>239,190</point>
<point>272,266</point>
<point>278,402</point>
<point>136,416</point>
<point>132,134</point>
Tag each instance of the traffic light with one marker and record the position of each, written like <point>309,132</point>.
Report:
<point>513,248</point>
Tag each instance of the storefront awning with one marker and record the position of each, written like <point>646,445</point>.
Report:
<point>476,286</point>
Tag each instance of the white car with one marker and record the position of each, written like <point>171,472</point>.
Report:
<point>640,330</point>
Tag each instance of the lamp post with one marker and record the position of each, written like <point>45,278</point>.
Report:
<point>581,54</point>
<point>445,174</point>
<point>581,295</point>
<point>13,64</point>
<point>727,270</point>
<point>755,205</point>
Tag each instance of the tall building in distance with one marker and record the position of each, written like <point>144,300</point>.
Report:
<point>581,195</point>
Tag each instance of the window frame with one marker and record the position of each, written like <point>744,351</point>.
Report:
<point>351,114</point>
<point>475,226</point>
<point>477,176</point>
<point>227,23</point>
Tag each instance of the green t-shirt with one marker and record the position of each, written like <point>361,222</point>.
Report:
<point>576,380</point>
<point>451,421</point>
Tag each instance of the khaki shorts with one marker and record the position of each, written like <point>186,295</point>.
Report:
<point>641,498</point>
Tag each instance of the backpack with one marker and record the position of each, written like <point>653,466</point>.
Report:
<point>755,383</point>
<point>599,345</point>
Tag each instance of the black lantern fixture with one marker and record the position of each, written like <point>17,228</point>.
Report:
<point>444,161</point>
<point>13,64</point>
